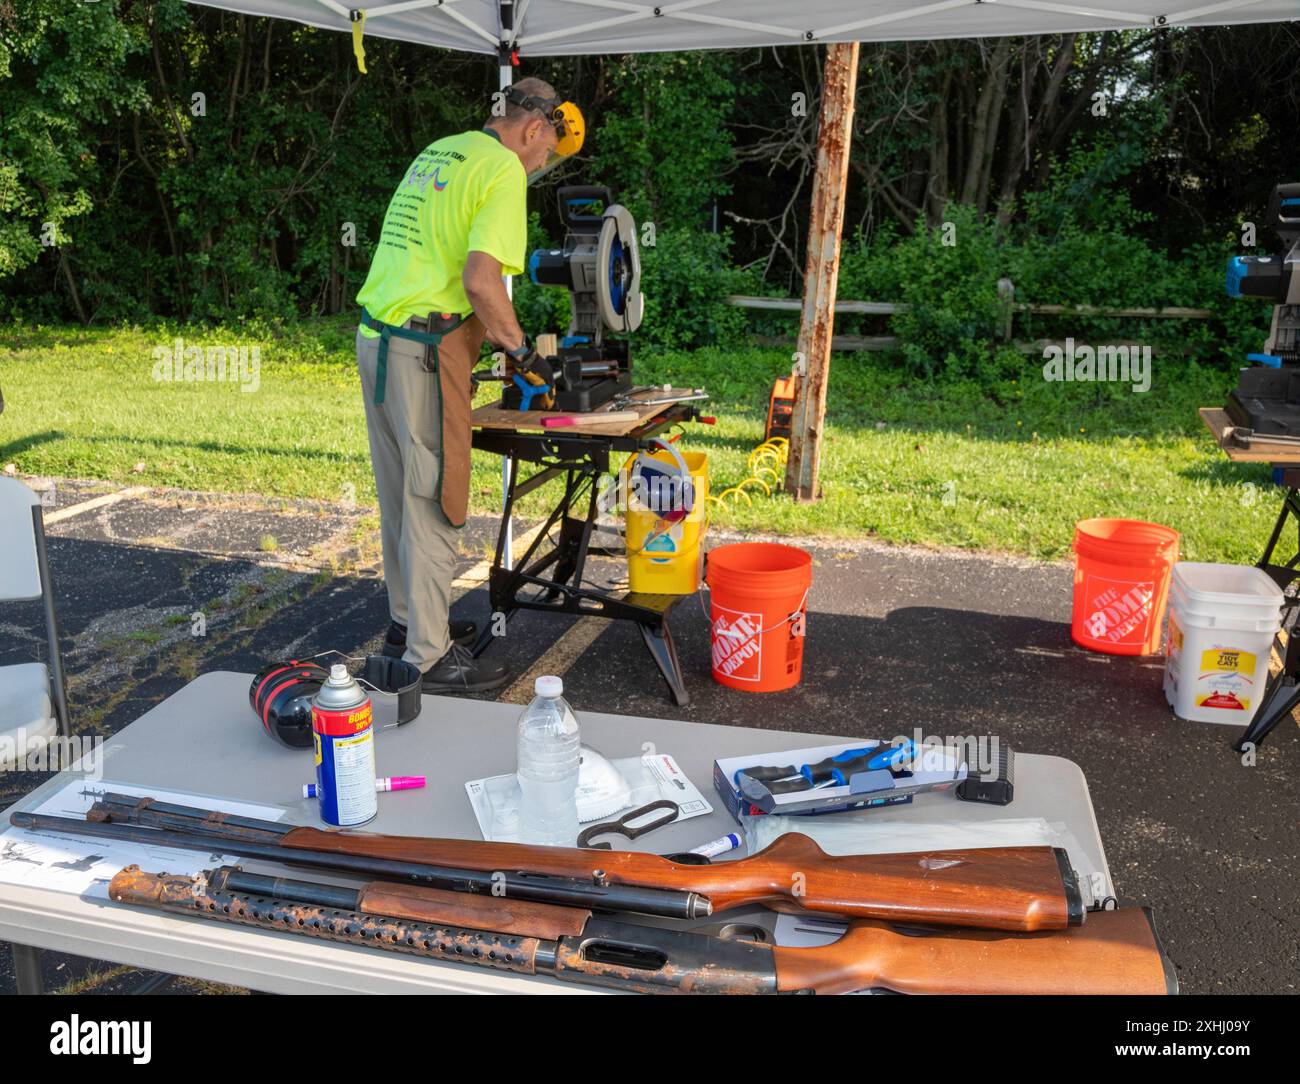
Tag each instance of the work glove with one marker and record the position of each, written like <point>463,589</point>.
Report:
<point>526,361</point>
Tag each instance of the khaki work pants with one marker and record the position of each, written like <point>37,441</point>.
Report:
<point>419,449</point>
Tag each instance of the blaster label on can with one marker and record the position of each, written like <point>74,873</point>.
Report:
<point>345,763</point>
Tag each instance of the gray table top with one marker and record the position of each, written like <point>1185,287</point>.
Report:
<point>204,740</point>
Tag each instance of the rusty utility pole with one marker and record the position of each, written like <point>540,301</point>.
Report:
<point>822,269</point>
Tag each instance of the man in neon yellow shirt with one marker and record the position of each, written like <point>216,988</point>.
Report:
<point>456,224</point>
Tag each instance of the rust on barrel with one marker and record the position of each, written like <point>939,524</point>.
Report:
<point>192,895</point>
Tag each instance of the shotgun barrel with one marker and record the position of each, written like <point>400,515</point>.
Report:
<point>1020,889</point>
<point>575,892</point>
<point>1116,953</point>
<point>415,903</point>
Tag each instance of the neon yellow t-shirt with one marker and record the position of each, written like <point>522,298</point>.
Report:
<point>465,193</point>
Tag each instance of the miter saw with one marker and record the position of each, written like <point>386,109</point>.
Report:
<point>1267,396</point>
<point>600,265</point>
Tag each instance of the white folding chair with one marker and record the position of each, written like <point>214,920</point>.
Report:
<point>33,696</point>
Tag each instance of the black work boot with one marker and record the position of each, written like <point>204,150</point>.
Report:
<point>461,632</point>
<point>459,672</point>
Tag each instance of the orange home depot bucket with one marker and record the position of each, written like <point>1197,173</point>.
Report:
<point>1121,584</point>
<point>759,595</point>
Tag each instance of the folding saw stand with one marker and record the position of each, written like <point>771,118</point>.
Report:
<point>552,579</point>
<point>1282,692</point>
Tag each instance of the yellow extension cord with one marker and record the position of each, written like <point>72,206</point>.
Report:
<point>767,461</point>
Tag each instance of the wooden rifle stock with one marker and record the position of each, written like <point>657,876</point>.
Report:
<point>1000,888</point>
<point>1116,952</point>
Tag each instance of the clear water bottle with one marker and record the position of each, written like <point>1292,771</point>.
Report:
<point>548,760</point>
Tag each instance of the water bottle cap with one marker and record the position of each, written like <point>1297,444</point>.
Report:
<point>549,686</point>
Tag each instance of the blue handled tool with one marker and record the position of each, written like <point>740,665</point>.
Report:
<point>841,767</point>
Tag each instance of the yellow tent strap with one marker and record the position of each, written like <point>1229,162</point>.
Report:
<point>358,18</point>
<point>766,468</point>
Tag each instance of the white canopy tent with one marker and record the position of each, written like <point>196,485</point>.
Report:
<point>535,28</point>
<point>568,27</point>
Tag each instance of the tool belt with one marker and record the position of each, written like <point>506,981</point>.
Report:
<point>429,330</point>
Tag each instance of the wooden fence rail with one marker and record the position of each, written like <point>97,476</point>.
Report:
<point>1010,307</point>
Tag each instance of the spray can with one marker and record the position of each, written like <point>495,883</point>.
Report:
<point>345,751</point>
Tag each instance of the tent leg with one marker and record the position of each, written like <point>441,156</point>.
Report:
<point>822,268</point>
<point>507,76</point>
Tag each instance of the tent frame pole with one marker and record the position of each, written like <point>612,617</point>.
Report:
<point>506,72</point>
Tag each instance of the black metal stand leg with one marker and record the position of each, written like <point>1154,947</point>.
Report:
<point>1289,508</point>
<point>1276,708</point>
<point>660,642</point>
<point>488,633</point>
<point>1282,693</point>
<point>27,969</point>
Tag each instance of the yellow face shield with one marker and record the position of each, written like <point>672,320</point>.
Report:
<point>570,128</point>
<point>566,117</point>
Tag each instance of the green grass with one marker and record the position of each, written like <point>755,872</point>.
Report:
<point>1009,469</point>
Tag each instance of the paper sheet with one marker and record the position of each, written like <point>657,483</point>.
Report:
<point>65,863</point>
<point>495,801</point>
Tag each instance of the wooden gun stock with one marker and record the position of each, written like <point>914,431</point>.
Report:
<point>1000,888</point>
<point>1117,952</point>
<point>495,913</point>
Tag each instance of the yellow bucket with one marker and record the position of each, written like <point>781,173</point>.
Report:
<point>666,558</point>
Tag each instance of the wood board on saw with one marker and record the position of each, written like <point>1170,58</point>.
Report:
<point>1260,451</point>
<point>494,416</point>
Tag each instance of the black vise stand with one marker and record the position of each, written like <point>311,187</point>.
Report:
<point>1282,693</point>
<point>552,579</point>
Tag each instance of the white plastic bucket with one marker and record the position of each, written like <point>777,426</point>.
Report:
<point>1222,621</point>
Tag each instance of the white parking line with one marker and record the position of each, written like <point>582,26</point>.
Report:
<point>477,574</point>
<point>60,514</point>
<point>557,659</point>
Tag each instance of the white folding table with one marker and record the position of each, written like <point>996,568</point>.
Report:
<point>205,741</point>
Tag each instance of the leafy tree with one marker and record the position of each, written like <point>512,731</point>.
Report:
<point>62,84</point>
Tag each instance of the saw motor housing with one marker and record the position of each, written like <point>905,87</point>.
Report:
<point>600,265</point>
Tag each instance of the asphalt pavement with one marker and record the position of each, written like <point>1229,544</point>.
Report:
<point>155,587</point>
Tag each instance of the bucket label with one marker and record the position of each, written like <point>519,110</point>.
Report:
<point>665,542</point>
<point>1225,679</point>
<point>737,644</point>
<point>1117,611</point>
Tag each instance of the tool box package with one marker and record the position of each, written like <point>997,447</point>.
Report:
<point>834,778</point>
